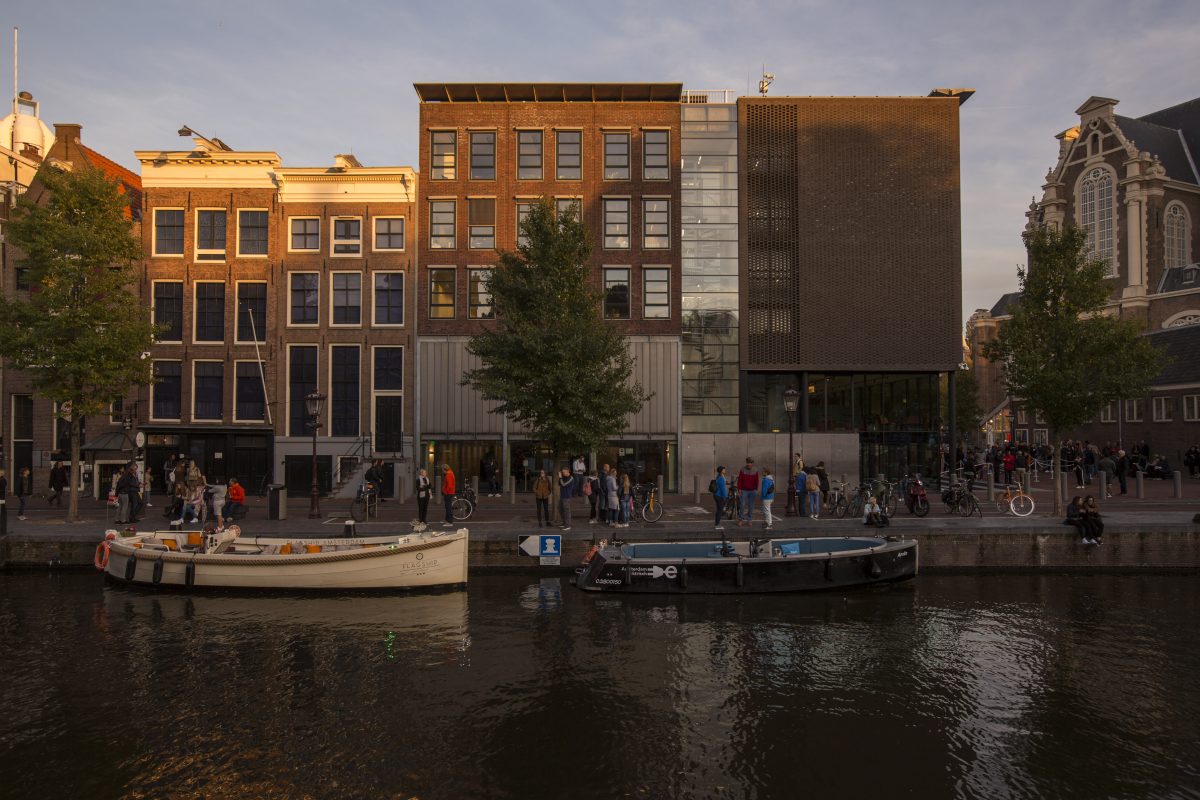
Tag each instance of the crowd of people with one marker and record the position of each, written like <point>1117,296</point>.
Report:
<point>758,486</point>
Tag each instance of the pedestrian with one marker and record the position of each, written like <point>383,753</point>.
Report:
<point>1122,471</point>
<point>24,489</point>
<point>448,490</point>
<point>813,484</point>
<point>1109,468</point>
<point>1009,461</point>
<point>720,492</point>
<point>541,498</point>
<point>58,483</point>
<point>747,485</point>
<point>168,471</point>
<point>610,497</point>
<point>768,497</point>
<point>800,484</point>
<point>424,489</point>
<point>487,474</point>
<point>591,491</point>
<point>578,468</point>
<point>127,496</point>
<point>566,491</point>
<point>823,477</point>
<point>624,500</point>
<point>602,494</point>
<point>218,498</point>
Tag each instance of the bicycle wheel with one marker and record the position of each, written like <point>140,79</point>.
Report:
<point>920,507</point>
<point>1004,505</point>
<point>652,510</point>
<point>855,506</point>
<point>969,506</point>
<point>358,509</point>
<point>890,503</point>
<point>461,508</point>
<point>1022,505</point>
<point>841,507</point>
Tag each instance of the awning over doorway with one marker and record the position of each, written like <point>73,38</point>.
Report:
<point>114,440</point>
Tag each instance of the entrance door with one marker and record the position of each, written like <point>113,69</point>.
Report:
<point>250,463</point>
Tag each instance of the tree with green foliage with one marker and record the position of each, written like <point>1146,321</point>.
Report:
<point>81,334</point>
<point>966,405</point>
<point>550,361</point>
<point>1060,353</point>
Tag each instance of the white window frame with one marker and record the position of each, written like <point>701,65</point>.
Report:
<point>206,420</point>
<point>287,383</point>
<point>334,242</point>
<point>1039,418</point>
<point>154,232</point>
<point>328,424</point>
<point>1163,408</point>
<point>1084,216</point>
<point>645,224</point>
<point>374,233</point>
<point>1108,414</point>
<point>333,324</point>
<point>182,308</point>
<point>604,201</point>
<point>1135,409</point>
<point>291,249</point>
<point>238,246</point>
<point>1021,436</point>
<point>237,311</point>
<point>196,249</point>
<point>1191,408</point>
<point>1022,416</point>
<point>196,316</point>
<point>645,275</point>
<point>154,387</point>
<point>1177,253</point>
<point>234,394</point>
<point>1041,436</point>
<point>290,323</point>
<point>386,392</point>
<point>375,323</point>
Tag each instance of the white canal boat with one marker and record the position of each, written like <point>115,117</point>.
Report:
<point>188,559</point>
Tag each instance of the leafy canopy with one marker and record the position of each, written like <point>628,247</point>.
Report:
<point>551,361</point>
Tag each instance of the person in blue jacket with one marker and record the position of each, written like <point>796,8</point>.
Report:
<point>720,494</point>
<point>801,488</point>
<point>768,497</point>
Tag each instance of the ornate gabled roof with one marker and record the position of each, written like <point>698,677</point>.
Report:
<point>1164,142</point>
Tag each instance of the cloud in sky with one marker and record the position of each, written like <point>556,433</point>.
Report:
<point>311,79</point>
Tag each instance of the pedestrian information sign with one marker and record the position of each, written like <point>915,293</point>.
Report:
<point>547,547</point>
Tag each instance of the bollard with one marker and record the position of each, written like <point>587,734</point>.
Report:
<point>512,489</point>
<point>350,529</point>
<point>1025,479</point>
<point>661,488</point>
<point>991,487</point>
<point>1103,493</point>
<point>696,488</point>
<point>1177,478</point>
<point>1141,485</point>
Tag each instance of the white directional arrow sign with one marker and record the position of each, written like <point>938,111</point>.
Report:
<point>544,545</point>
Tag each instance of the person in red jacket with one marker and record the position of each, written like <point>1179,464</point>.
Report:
<point>747,484</point>
<point>235,500</point>
<point>1010,464</point>
<point>448,490</point>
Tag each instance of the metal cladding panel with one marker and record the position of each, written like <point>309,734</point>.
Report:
<point>851,246</point>
<point>657,369</point>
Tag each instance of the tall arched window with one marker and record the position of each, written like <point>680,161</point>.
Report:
<point>1178,231</point>
<point>1096,215</point>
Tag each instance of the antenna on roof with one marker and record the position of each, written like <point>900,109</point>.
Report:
<point>764,85</point>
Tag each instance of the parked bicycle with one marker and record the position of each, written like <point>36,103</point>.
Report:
<point>959,500</point>
<point>858,499</point>
<point>835,500</point>
<point>464,503</point>
<point>646,505</point>
<point>889,498</point>
<point>1017,502</point>
<point>366,502</point>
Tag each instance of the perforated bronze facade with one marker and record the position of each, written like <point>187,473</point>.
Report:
<point>850,253</point>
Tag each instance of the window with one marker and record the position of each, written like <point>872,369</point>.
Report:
<point>388,383</point>
<point>616,224</point>
<point>481,223</point>
<point>1039,418</point>
<point>210,235</point>
<point>443,151</point>
<point>306,298</point>
<point>1109,412</point>
<point>389,298</point>
<point>563,206</point>
<point>166,391</point>
<point>656,295</point>
<point>656,224</point>
<point>441,293</point>
<point>1041,436</point>
<point>20,277</point>
<point>302,380</point>
<point>210,312</point>
<point>249,399</point>
<point>168,231</point>
<point>1021,436</point>
<point>1134,409</point>
<point>1191,408</point>
<point>529,155</point>
<point>116,411</point>
<point>168,310</point>
<point>616,156</point>
<point>347,298</point>
<point>343,391</point>
<point>347,236</point>
<point>479,299</point>
<point>1176,228</point>
<point>1164,409</point>
<point>389,369</point>
<point>441,224</point>
<point>656,155</point>
<point>252,233</point>
<point>483,155</point>
<point>252,312</point>
<point>569,154</point>
<point>523,210</point>
<point>1022,416</point>
<point>208,386</point>
<point>1096,213</point>
<point>389,233</point>
<point>306,234</point>
<point>616,293</point>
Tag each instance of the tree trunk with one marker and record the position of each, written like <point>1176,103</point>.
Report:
<point>1058,496</point>
<point>73,497</point>
<point>555,517</point>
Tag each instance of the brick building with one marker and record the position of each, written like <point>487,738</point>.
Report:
<point>271,283</point>
<point>1134,185</point>
<point>486,152</point>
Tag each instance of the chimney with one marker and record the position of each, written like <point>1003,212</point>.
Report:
<point>67,132</point>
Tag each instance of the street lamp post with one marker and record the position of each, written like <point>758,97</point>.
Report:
<point>313,403</point>
<point>791,399</point>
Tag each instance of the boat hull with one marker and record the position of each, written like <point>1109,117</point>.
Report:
<point>822,567</point>
<point>380,562</point>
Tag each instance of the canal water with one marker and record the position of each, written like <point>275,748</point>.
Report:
<point>974,687</point>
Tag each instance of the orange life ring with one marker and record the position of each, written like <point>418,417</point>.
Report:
<point>100,559</point>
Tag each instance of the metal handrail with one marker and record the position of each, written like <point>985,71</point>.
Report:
<point>708,96</point>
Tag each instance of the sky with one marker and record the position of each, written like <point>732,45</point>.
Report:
<point>308,79</point>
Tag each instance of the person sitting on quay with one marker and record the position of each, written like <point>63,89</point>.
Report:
<point>235,500</point>
<point>873,514</point>
<point>1075,517</point>
<point>1093,525</point>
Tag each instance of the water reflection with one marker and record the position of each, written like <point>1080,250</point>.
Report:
<point>956,687</point>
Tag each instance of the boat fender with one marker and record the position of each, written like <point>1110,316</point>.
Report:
<point>130,567</point>
<point>588,558</point>
<point>103,550</point>
<point>189,573</point>
<point>873,567</point>
<point>829,569</point>
<point>683,574</point>
<point>741,574</point>
<point>158,571</point>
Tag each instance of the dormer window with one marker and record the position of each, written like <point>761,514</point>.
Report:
<point>1189,276</point>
